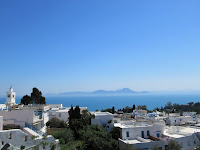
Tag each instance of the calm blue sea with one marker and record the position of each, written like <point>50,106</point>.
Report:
<point>102,102</point>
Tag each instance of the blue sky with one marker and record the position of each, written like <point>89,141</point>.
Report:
<point>85,45</point>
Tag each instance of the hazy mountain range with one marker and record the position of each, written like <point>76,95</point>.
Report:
<point>124,91</point>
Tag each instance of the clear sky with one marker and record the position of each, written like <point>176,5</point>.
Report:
<point>85,45</point>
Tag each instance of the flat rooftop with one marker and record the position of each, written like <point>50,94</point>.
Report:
<point>136,141</point>
<point>102,113</point>
<point>132,141</point>
<point>131,126</point>
<point>181,132</point>
<point>63,110</point>
<point>175,135</point>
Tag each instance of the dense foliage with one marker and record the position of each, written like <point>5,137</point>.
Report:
<point>35,98</point>
<point>56,123</point>
<point>97,138</point>
<point>169,107</point>
<point>173,145</point>
<point>197,148</point>
<point>110,110</point>
<point>81,135</point>
<point>127,109</point>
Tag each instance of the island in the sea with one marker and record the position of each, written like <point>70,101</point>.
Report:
<point>122,92</point>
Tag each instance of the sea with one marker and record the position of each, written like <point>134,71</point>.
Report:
<point>103,102</point>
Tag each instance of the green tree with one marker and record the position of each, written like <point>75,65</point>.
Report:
<point>74,118</point>
<point>107,110</point>
<point>197,148</point>
<point>115,132</point>
<point>35,98</point>
<point>156,148</point>
<point>77,113</point>
<point>173,145</point>
<point>133,107</point>
<point>26,100</point>
<point>56,123</point>
<point>143,107</point>
<point>96,138</point>
<point>128,147</point>
<point>86,117</point>
<point>65,135</point>
<point>113,110</point>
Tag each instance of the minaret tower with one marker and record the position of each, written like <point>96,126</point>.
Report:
<point>10,100</point>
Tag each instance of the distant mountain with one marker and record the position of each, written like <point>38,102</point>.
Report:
<point>124,91</point>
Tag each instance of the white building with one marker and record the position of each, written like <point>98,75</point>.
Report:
<point>16,139</point>
<point>139,112</point>
<point>189,113</point>
<point>146,136</point>
<point>60,112</point>
<point>187,137</point>
<point>142,135</point>
<point>176,119</point>
<point>103,119</point>
<point>32,116</point>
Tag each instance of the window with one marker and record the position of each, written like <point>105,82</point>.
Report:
<point>148,133</point>
<point>10,136</point>
<point>25,138</point>
<point>59,114</point>
<point>127,133</point>
<point>142,134</point>
<point>158,135</point>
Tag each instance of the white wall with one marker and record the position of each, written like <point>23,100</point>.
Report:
<point>18,115</point>
<point>188,142</point>
<point>62,115</point>
<point>1,123</point>
<point>18,139</point>
<point>134,132</point>
<point>102,117</point>
<point>144,145</point>
<point>179,120</point>
<point>55,105</point>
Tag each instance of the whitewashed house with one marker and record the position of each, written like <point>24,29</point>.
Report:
<point>142,135</point>
<point>146,136</point>
<point>176,119</point>
<point>16,139</point>
<point>103,119</point>
<point>32,116</point>
<point>139,112</point>
<point>61,112</point>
